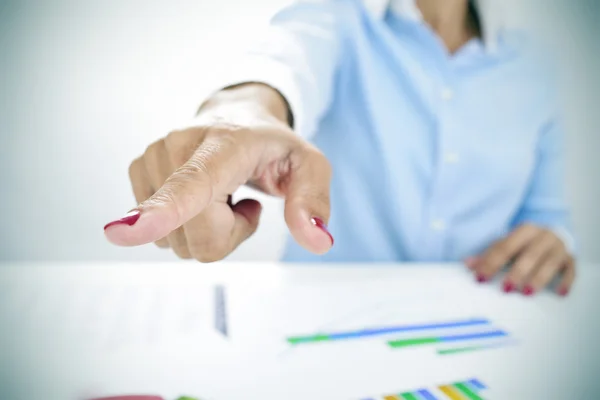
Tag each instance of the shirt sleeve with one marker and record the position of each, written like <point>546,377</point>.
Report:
<point>545,203</point>
<point>298,56</point>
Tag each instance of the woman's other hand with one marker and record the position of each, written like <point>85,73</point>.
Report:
<point>183,182</point>
<point>537,256</point>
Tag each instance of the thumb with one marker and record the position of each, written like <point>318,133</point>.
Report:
<point>307,204</point>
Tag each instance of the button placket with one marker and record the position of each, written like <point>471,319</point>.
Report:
<point>438,225</point>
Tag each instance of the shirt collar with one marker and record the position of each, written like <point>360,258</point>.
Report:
<point>490,12</point>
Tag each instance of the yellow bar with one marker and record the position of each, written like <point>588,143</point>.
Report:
<point>451,392</point>
<point>391,397</point>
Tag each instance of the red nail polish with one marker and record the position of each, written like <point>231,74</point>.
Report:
<point>318,222</point>
<point>129,219</point>
<point>563,291</point>
<point>508,286</point>
<point>528,290</point>
<point>481,278</point>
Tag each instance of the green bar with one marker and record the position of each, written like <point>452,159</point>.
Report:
<point>461,349</point>
<point>413,342</point>
<point>408,396</point>
<point>467,392</point>
<point>187,398</point>
<point>307,339</point>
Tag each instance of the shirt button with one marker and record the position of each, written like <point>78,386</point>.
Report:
<point>452,158</point>
<point>438,225</point>
<point>447,94</point>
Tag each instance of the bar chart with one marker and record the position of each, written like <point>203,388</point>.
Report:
<point>463,390</point>
<point>456,336</point>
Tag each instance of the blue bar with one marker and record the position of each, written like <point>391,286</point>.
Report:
<point>477,384</point>
<point>406,328</point>
<point>426,394</point>
<point>482,335</point>
<point>220,310</point>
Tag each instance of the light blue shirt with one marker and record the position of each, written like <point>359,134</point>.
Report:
<point>435,156</point>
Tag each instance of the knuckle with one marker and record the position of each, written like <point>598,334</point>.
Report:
<point>134,167</point>
<point>174,137</point>
<point>181,251</point>
<point>153,150</point>
<point>208,251</point>
<point>529,227</point>
<point>185,138</point>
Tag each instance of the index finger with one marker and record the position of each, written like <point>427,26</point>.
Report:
<point>190,189</point>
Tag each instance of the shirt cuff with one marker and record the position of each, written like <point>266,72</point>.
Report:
<point>273,73</point>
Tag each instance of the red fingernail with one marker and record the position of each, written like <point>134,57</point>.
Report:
<point>528,290</point>
<point>481,278</point>
<point>508,286</point>
<point>129,219</point>
<point>563,291</point>
<point>318,222</point>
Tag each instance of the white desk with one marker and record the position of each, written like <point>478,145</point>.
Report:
<point>73,331</point>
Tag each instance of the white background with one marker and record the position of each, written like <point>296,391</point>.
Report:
<point>85,86</point>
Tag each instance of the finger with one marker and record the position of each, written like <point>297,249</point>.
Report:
<point>190,189</point>
<point>159,167</point>
<point>545,272</point>
<point>530,259</point>
<point>472,262</point>
<point>220,228</point>
<point>503,251</point>
<point>568,277</point>
<point>142,188</point>
<point>307,206</point>
<point>140,182</point>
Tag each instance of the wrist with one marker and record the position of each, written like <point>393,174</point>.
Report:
<point>253,97</point>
